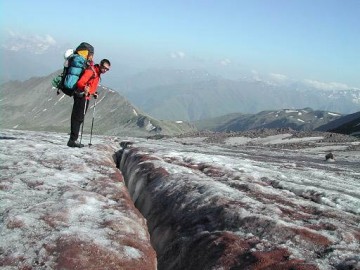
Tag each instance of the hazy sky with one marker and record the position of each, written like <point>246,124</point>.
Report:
<point>317,40</point>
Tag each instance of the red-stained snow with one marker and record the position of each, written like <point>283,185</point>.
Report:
<point>248,206</point>
<point>66,208</point>
<point>240,204</point>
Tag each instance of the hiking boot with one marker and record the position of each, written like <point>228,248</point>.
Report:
<point>74,144</point>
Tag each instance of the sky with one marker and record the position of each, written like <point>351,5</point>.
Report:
<point>309,40</point>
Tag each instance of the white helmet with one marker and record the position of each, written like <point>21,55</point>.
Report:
<point>68,53</point>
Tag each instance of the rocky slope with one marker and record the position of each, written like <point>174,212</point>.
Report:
<point>34,105</point>
<point>348,124</point>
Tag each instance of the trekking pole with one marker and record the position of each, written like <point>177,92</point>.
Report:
<point>82,127</point>
<point>92,123</point>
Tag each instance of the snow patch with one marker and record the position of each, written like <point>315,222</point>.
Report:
<point>334,114</point>
<point>291,111</point>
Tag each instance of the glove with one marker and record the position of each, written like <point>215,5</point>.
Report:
<point>95,95</point>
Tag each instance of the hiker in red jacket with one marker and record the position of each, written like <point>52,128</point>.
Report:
<point>86,87</point>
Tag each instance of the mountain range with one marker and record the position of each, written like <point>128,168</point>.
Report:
<point>348,124</point>
<point>35,105</point>
<point>303,119</point>
<point>192,95</point>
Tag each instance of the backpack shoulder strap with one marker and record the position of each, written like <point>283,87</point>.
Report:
<point>90,67</point>
<point>94,73</point>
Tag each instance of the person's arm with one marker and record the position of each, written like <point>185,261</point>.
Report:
<point>82,83</point>
<point>93,85</point>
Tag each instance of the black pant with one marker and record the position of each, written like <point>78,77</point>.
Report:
<point>77,115</point>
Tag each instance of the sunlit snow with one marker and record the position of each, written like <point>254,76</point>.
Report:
<point>276,191</point>
<point>57,202</point>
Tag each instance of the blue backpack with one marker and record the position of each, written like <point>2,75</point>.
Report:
<point>74,67</point>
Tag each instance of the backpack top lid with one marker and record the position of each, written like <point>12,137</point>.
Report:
<point>85,46</point>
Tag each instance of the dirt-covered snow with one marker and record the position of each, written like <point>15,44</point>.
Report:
<point>269,199</point>
<point>67,208</point>
<point>256,200</point>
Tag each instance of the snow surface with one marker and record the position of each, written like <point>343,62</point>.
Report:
<point>50,193</point>
<point>282,190</point>
<point>298,171</point>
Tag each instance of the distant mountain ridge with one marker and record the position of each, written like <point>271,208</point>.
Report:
<point>305,119</point>
<point>167,94</point>
<point>34,105</point>
<point>348,124</point>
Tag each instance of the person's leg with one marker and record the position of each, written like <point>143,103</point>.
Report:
<point>85,110</point>
<point>77,117</point>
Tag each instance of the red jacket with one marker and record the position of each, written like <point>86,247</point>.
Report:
<point>90,77</point>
